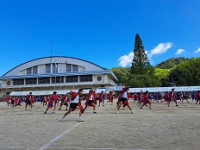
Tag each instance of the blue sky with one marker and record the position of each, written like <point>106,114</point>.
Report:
<point>100,31</point>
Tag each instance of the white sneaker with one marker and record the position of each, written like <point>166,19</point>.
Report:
<point>63,119</point>
<point>117,112</point>
<point>81,119</point>
<point>132,112</point>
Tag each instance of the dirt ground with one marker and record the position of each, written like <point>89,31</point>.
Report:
<point>162,128</point>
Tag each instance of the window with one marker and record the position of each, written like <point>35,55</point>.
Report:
<point>71,79</point>
<point>55,68</point>
<point>86,78</point>
<point>44,80</point>
<point>68,68</point>
<point>57,80</point>
<point>35,70</point>
<point>29,71</point>
<point>8,83</point>
<point>18,81</point>
<point>31,81</point>
<point>75,68</point>
<point>48,68</point>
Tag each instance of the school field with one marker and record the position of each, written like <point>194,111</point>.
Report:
<point>160,128</point>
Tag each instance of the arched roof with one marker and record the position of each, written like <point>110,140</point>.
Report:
<point>54,59</point>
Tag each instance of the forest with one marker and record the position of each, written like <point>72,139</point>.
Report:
<point>178,71</point>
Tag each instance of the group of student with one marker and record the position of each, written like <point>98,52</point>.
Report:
<point>17,101</point>
<point>73,100</point>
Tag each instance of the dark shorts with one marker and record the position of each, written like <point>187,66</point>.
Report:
<point>123,99</point>
<point>73,105</point>
<point>28,102</point>
<point>50,105</point>
<point>147,102</point>
<point>90,102</point>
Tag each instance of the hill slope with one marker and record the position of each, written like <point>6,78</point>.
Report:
<point>170,63</point>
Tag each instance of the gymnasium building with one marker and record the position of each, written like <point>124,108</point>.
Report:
<point>55,73</point>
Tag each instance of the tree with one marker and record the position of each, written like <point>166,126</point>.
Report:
<point>140,64</point>
<point>122,75</point>
<point>186,73</point>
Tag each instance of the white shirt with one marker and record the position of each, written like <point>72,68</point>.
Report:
<point>76,100</point>
<point>91,97</point>
<point>125,95</point>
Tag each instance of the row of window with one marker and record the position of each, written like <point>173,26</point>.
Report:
<point>32,70</point>
<point>69,68</point>
<point>46,80</point>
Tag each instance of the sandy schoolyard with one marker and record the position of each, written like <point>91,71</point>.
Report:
<point>162,128</point>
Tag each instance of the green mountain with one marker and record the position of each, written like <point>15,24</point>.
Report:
<point>170,63</point>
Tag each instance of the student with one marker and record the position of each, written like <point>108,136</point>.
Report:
<point>193,96</point>
<point>76,102</point>
<point>159,97</point>
<point>46,100</point>
<point>185,97</point>
<point>124,99</point>
<point>140,96</point>
<point>166,97</point>
<point>29,100</point>
<point>52,102</point>
<point>172,97</point>
<point>18,102</point>
<point>65,101</point>
<point>198,97</point>
<point>90,101</point>
<point>101,98</point>
<point>8,100</point>
<point>146,100</point>
<point>110,97</point>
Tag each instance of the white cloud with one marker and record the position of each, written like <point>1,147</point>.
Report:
<point>160,49</point>
<point>126,60</point>
<point>180,51</point>
<point>197,50</point>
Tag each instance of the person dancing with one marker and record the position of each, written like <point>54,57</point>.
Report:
<point>90,102</point>
<point>76,102</point>
<point>172,97</point>
<point>123,100</point>
<point>146,100</point>
<point>29,100</point>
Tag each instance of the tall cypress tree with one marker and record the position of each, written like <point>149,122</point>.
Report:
<point>140,64</point>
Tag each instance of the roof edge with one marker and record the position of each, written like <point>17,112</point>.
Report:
<point>52,57</point>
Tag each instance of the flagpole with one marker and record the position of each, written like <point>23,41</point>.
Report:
<point>60,72</point>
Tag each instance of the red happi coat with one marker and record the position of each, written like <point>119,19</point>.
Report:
<point>101,97</point>
<point>73,95</point>
<point>145,98</point>
<point>53,99</point>
<point>95,98</point>
<point>172,96</point>
<point>7,98</point>
<point>198,96</point>
<point>46,98</point>
<point>167,96</point>
<point>89,95</point>
<point>110,97</point>
<point>32,98</point>
<point>65,99</point>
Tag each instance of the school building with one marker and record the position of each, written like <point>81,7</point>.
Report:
<point>55,73</point>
